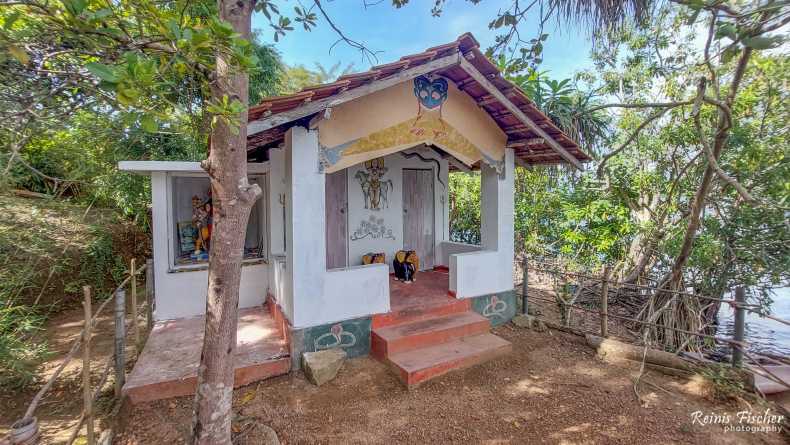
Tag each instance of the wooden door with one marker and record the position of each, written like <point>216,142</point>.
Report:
<point>336,220</point>
<point>418,214</point>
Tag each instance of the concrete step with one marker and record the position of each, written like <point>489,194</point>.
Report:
<point>420,365</point>
<point>168,364</point>
<point>414,313</point>
<point>424,333</point>
<point>244,374</point>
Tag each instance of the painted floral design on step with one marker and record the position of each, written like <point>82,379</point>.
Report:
<point>495,308</point>
<point>337,337</point>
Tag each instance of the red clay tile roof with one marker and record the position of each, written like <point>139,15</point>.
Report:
<point>527,145</point>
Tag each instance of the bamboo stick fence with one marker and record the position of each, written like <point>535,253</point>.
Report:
<point>26,430</point>
<point>737,343</point>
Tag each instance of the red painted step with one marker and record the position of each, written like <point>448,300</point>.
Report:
<point>423,333</point>
<point>419,365</point>
<point>430,310</point>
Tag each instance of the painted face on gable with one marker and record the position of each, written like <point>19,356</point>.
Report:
<point>430,93</point>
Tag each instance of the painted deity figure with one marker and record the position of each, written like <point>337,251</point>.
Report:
<point>374,187</point>
<point>201,220</point>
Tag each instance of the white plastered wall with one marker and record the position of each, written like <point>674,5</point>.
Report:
<point>317,296</point>
<point>182,292</point>
<point>490,269</point>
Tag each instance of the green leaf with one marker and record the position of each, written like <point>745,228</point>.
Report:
<point>763,42</point>
<point>103,72</point>
<point>9,21</point>
<point>102,13</point>
<point>726,30</point>
<point>148,124</point>
<point>729,54</point>
<point>75,7</point>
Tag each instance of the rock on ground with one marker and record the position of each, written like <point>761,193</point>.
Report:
<point>529,322</point>
<point>322,366</point>
<point>269,435</point>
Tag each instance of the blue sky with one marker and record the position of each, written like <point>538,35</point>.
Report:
<point>408,30</point>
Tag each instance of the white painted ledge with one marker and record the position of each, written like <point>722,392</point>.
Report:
<point>448,248</point>
<point>352,292</point>
<point>148,167</point>
<point>473,274</point>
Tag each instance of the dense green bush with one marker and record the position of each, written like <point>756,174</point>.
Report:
<point>48,251</point>
<point>555,215</point>
<point>465,207</point>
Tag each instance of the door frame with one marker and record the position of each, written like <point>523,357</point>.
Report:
<point>345,215</point>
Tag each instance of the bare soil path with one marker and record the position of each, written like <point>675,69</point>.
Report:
<point>61,406</point>
<point>551,389</point>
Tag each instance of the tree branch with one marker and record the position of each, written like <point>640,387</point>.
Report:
<point>654,116</point>
<point>642,105</point>
<point>366,52</point>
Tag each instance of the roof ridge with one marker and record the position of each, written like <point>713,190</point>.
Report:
<point>430,52</point>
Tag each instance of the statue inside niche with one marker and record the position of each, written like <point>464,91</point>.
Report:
<point>201,220</point>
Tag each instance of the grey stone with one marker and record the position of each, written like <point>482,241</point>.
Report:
<point>522,321</point>
<point>322,366</point>
<point>539,325</point>
<point>268,435</point>
<point>529,322</point>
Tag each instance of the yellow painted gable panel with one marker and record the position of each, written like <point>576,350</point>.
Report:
<point>391,120</point>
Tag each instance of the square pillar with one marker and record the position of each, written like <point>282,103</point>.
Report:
<point>497,217</point>
<point>305,223</point>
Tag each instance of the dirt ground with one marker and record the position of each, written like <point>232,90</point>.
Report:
<point>61,407</point>
<point>550,389</point>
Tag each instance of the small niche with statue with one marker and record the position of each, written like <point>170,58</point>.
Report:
<point>192,205</point>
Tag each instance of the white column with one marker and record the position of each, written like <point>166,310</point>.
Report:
<point>159,225</point>
<point>496,214</point>
<point>277,190</point>
<point>305,223</point>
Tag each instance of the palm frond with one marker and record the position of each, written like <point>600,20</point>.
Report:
<point>602,14</point>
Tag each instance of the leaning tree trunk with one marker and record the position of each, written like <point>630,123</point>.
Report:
<point>675,276</point>
<point>232,198</point>
<point>665,308</point>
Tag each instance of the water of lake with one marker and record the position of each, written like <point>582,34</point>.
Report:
<point>763,334</point>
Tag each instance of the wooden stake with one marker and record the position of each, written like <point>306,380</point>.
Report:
<point>120,341</point>
<point>605,303</point>
<point>740,326</point>
<point>135,328</point>
<point>525,287</point>
<point>86,366</point>
<point>149,293</point>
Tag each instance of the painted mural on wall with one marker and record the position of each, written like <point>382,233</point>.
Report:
<point>427,127</point>
<point>375,188</point>
<point>497,308</point>
<point>373,228</point>
<point>351,335</point>
<point>431,93</point>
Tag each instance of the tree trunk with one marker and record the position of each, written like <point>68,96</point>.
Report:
<point>641,255</point>
<point>232,199</point>
<point>675,276</point>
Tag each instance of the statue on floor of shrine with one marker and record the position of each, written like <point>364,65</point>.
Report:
<point>406,265</point>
